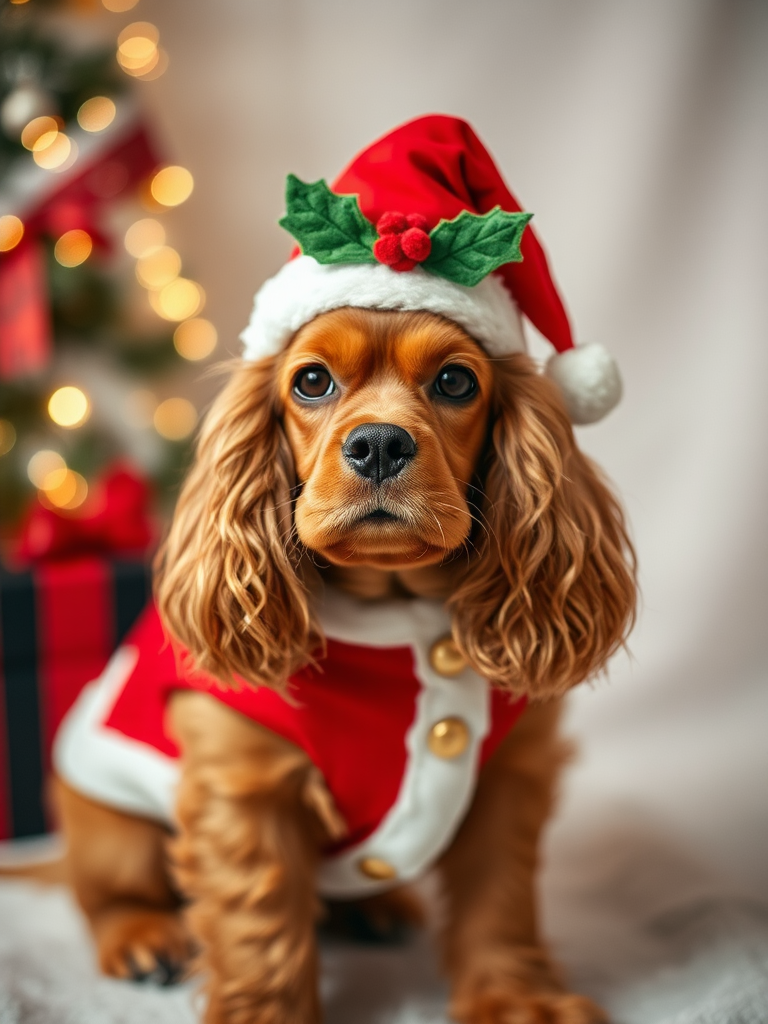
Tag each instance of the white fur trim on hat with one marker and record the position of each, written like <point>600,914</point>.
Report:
<point>304,288</point>
<point>589,380</point>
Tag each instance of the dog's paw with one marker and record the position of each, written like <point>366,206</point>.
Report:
<point>143,945</point>
<point>526,1007</point>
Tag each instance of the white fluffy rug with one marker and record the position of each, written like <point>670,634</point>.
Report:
<point>637,924</point>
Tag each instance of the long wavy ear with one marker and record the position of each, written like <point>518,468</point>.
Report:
<point>228,583</point>
<point>550,592</point>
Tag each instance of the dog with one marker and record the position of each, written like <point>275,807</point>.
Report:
<point>385,458</point>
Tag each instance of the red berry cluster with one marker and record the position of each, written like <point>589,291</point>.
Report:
<point>403,240</point>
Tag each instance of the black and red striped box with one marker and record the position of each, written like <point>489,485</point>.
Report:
<point>59,624</point>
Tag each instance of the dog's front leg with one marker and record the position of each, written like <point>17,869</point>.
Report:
<point>245,857</point>
<point>500,973</point>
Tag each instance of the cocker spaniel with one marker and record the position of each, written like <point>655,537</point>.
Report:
<point>386,457</point>
<point>388,564</point>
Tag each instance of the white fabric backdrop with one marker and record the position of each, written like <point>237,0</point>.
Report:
<point>638,135</point>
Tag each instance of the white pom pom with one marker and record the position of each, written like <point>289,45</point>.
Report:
<point>589,380</point>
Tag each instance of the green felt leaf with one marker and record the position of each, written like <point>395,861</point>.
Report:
<point>469,247</point>
<point>328,227</point>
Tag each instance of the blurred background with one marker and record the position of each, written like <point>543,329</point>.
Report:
<point>638,136</point>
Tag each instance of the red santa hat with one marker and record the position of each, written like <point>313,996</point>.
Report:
<point>422,220</point>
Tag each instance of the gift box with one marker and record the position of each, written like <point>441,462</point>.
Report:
<point>59,624</point>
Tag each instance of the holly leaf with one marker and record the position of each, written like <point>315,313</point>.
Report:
<point>471,246</point>
<point>329,227</point>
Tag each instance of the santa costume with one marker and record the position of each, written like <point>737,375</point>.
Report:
<point>399,725</point>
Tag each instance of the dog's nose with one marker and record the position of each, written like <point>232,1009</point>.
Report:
<point>378,450</point>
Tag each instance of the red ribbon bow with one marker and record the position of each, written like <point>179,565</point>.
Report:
<point>115,521</point>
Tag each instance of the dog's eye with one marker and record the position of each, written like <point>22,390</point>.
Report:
<point>313,382</point>
<point>455,382</point>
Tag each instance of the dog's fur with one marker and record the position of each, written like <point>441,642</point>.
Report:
<point>500,516</point>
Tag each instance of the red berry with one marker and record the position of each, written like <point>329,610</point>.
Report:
<point>387,249</point>
<point>417,220</point>
<point>416,244</point>
<point>404,264</point>
<point>391,223</point>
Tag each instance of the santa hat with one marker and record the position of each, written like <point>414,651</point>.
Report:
<point>422,220</point>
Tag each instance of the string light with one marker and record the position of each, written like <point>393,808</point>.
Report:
<point>195,339</point>
<point>175,419</point>
<point>96,114</point>
<point>69,407</point>
<point>171,186</point>
<point>64,489</point>
<point>11,232</point>
<point>7,436</point>
<point>158,267</point>
<point>37,128</point>
<point>179,300</point>
<point>119,6</point>
<point>158,69</point>
<point>137,51</point>
<point>137,40</point>
<point>54,151</point>
<point>42,464</point>
<point>144,235</point>
<point>73,248</point>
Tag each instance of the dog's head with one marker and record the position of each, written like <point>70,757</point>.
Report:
<point>386,415</point>
<point>392,441</point>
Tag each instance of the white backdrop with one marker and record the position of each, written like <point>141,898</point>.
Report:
<point>638,135</point>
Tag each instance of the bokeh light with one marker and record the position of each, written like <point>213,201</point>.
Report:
<point>140,70</point>
<point>64,489</point>
<point>54,151</point>
<point>7,436</point>
<point>69,407</point>
<point>119,6</point>
<point>195,339</point>
<point>96,114</point>
<point>43,463</point>
<point>137,50</point>
<point>158,267</point>
<point>142,35</point>
<point>73,248</point>
<point>11,232</point>
<point>179,300</point>
<point>144,235</point>
<point>149,74</point>
<point>172,186</point>
<point>36,129</point>
<point>175,419</point>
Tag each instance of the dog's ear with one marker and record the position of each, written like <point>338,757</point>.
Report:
<point>550,591</point>
<point>228,585</point>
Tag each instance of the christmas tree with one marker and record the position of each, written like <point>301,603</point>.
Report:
<point>94,307</point>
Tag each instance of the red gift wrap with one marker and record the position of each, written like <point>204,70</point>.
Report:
<point>59,624</point>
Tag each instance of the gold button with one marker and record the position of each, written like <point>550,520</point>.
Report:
<point>446,658</point>
<point>374,867</point>
<point>448,738</point>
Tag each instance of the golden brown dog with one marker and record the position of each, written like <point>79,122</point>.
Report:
<point>478,497</point>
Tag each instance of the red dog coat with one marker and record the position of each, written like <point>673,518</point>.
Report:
<point>364,716</point>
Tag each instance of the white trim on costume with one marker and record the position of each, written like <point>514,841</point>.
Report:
<point>435,793</point>
<point>103,763</point>
<point>304,288</point>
